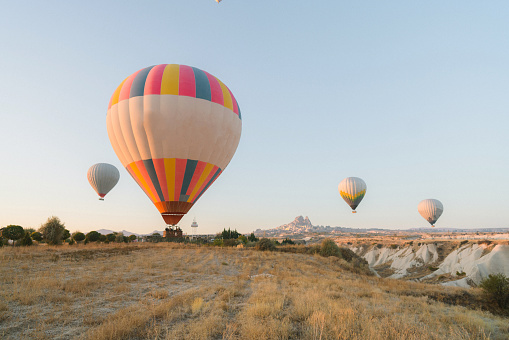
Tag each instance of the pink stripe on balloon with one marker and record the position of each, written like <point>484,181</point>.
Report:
<point>215,89</point>
<point>126,89</point>
<point>153,81</point>
<point>187,84</point>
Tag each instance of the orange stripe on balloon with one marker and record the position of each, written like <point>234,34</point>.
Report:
<point>146,177</point>
<point>204,175</point>
<point>138,177</point>
<point>170,80</point>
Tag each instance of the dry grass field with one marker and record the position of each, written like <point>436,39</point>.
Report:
<point>170,291</point>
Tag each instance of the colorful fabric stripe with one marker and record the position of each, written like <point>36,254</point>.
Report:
<point>351,199</point>
<point>173,179</point>
<point>171,79</point>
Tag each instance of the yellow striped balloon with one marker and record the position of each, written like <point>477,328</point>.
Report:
<point>175,128</point>
<point>430,209</point>
<point>352,189</point>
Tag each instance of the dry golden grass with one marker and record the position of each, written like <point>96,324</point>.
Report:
<point>169,291</point>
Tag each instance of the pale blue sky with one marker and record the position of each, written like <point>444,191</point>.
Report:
<point>410,96</point>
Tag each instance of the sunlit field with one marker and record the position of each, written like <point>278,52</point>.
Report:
<point>171,291</point>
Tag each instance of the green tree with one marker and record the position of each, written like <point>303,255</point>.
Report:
<point>36,236</point>
<point>252,238</point>
<point>265,244</point>
<point>103,238</point>
<point>66,235</point>
<point>329,248</point>
<point>287,241</point>
<point>78,236</point>
<point>92,236</point>
<point>229,234</point>
<point>243,239</point>
<point>26,240</point>
<point>13,232</point>
<point>496,289</point>
<point>132,237</point>
<point>111,237</point>
<point>53,230</point>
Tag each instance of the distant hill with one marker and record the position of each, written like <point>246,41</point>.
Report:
<point>125,232</point>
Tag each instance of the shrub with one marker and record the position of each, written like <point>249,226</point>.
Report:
<point>229,243</point>
<point>66,235</point>
<point>265,244</point>
<point>218,242</point>
<point>461,273</point>
<point>252,238</point>
<point>26,240</point>
<point>329,248</point>
<point>36,236</point>
<point>463,242</point>
<point>132,237</point>
<point>379,245</point>
<point>287,241</point>
<point>432,268</point>
<point>496,289</point>
<point>394,246</point>
<point>53,230</point>
<point>314,249</point>
<point>93,236</point>
<point>348,254</point>
<point>13,232</point>
<point>78,236</point>
<point>111,237</point>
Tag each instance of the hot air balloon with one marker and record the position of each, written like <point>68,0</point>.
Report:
<point>430,209</point>
<point>175,128</point>
<point>352,189</point>
<point>103,177</point>
<point>218,1</point>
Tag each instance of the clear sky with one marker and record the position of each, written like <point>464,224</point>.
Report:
<point>411,96</point>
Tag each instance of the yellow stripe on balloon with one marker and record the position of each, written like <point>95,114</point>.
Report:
<point>169,168</point>
<point>347,195</point>
<point>170,81</point>
<point>116,94</point>
<point>226,95</point>
<point>141,180</point>
<point>203,177</point>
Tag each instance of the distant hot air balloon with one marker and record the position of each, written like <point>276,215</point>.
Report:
<point>430,209</point>
<point>218,1</point>
<point>175,128</point>
<point>103,177</point>
<point>352,189</point>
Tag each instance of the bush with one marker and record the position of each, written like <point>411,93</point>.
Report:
<point>496,289</point>
<point>53,230</point>
<point>394,246</point>
<point>93,236</point>
<point>314,249</point>
<point>218,242</point>
<point>26,240</point>
<point>229,243</point>
<point>36,236</point>
<point>287,241</point>
<point>329,248</point>
<point>433,268</point>
<point>252,238</point>
<point>78,236</point>
<point>265,244</point>
<point>13,232</point>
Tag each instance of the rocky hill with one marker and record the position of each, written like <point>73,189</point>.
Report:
<point>462,264</point>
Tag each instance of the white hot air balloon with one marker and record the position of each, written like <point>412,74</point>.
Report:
<point>430,209</point>
<point>352,189</point>
<point>103,177</point>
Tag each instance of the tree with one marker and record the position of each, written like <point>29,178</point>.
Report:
<point>329,248</point>
<point>265,244</point>
<point>103,238</point>
<point>287,241</point>
<point>26,240</point>
<point>36,236</point>
<point>53,230</point>
<point>229,234</point>
<point>66,235</point>
<point>13,232</point>
<point>78,236</point>
<point>243,239</point>
<point>111,237</point>
<point>252,238</point>
<point>92,236</point>
<point>132,237</point>
<point>496,288</point>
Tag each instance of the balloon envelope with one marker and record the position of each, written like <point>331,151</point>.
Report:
<point>430,209</point>
<point>103,177</point>
<point>352,189</point>
<point>175,128</point>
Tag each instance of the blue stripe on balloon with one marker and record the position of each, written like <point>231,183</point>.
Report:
<point>138,86</point>
<point>151,170</point>
<point>188,175</point>
<point>202,85</point>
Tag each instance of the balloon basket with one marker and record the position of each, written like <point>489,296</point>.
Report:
<point>101,199</point>
<point>354,212</point>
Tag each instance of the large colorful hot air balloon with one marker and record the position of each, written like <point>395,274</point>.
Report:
<point>352,189</point>
<point>430,209</point>
<point>175,128</point>
<point>103,177</point>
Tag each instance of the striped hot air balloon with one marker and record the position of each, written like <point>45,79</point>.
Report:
<point>430,209</point>
<point>103,177</point>
<point>175,128</point>
<point>352,189</point>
